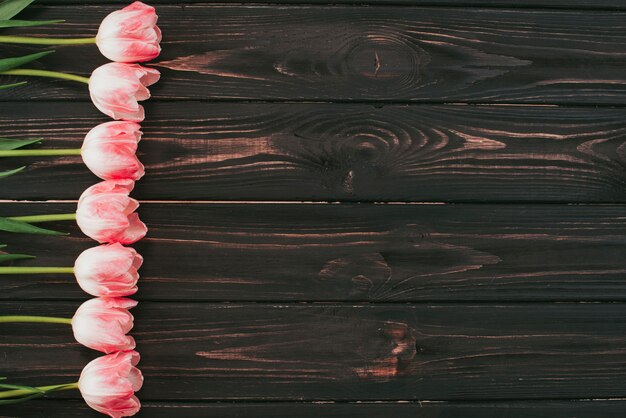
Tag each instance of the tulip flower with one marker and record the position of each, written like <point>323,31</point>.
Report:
<point>107,214</point>
<point>109,151</point>
<point>130,34</point>
<point>100,324</point>
<point>108,270</point>
<point>126,35</point>
<point>115,88</point>
<point>105,271</point>
<point>107,384</point>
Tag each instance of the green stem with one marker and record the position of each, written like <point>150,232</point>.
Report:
<point>46,41</point>
<point>44,73</point>
<point>36,270</point>
<point>37,319</point>
<point>38,152</point>
<point>21,392</point>
<point>45,218</point>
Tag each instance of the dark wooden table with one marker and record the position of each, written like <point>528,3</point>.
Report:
<point>378,208</point>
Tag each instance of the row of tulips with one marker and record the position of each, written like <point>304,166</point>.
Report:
<point>105,212</point>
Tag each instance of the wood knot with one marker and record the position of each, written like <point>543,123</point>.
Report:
<point>403,339</point>
<point>348,181</point>
<point>402,350</point>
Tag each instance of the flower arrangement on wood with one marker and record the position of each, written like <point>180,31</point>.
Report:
<point>105,211</point>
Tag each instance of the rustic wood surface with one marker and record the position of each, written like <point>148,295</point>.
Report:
<point>401,409</point>
<point>352,53</point>
<point>242,151</point>
<point>568,4</point>
<point>352,252</point>
<point>373,208</point>
<point>349,352</point>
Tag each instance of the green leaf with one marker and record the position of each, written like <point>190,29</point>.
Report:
<point>12,144</point>
<point>22,399</point>
<point>8,86</point>
<point>18,227</point>
<point>9,144</point>
<point>8,173</point>
<point>36,393</point>
<point>26,23</point>
<point>8,63</point>
<point>9,8</point>
<point>10,257</point>
<point>5,386</point>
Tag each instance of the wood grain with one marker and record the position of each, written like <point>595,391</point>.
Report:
<point>200,351</point>
<point>203,151</point>
<point>422,409</point>
<point>360,53</point>
<point>571,4</point>
<point>378,253</point>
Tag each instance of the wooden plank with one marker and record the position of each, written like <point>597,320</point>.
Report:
<point>362,53</point>
<point>423,409</point>
<point>338,352</point>
<point>238,151</point>
<point>312,252</point>
<point>577,4</point>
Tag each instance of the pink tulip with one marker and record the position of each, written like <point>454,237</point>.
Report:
<point>106,213</point>
<point>109,151</point>
<point>102,324</point>
<point>116,88</point>
<point>130,34</point>
<point>108,384</point>
<point>108,270</point>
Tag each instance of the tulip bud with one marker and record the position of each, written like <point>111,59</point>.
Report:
<point>109,151</point>
<point>115,89</point>
<point>130,34</point>
<point>102,324</point>
<point>108,270</point>
<point>108,384</point>
<point>106,213</point>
